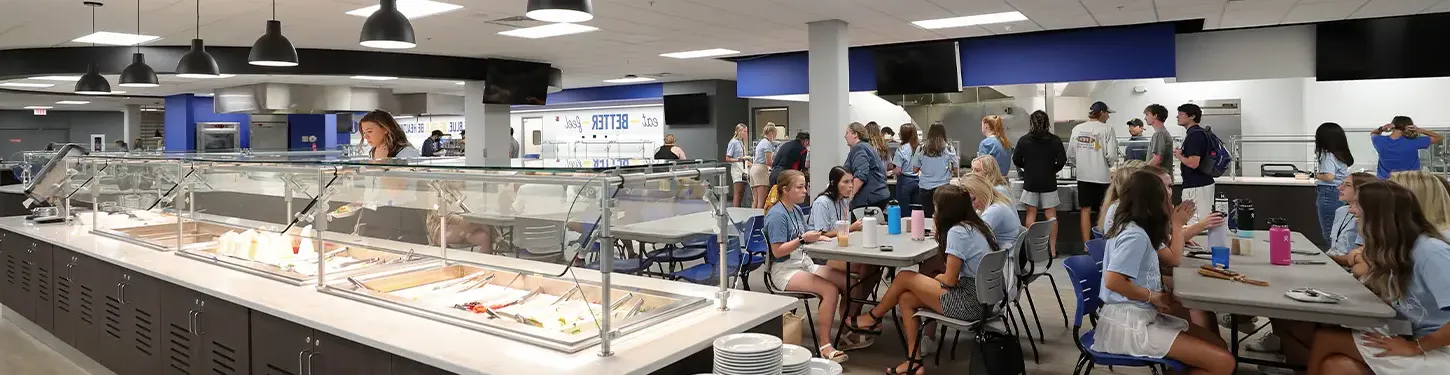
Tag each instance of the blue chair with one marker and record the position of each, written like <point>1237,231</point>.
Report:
<point>1096,248</point>
<point>756,247</point>
<point>1086,276</point>
<point>1097,233</point>
<point>705,273</point>
<point>633,266</point>
<point>672,254</point>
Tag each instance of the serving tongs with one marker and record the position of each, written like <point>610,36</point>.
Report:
<point>1225,274</point>
<point>327,256</point>
<point>488,276</point>
<point>567,295</point>
<point>359,285</point>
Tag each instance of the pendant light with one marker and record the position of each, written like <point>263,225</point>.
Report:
<point>572,11</point>
<point>138,74</point>
<point>387,28</point>
<point>196,63</point>
<point>92,83</point>
<point>273,49</point>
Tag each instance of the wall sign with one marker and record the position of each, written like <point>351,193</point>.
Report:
<point>575,133</point>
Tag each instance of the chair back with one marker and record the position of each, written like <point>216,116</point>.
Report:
<point>755,242</point>
<point>1016,264</point>
<point>1096,248</point>
<point>1097,233</point>
<point>1086,278</point>
<point>1039,241</point>
<point>991,279</point>
<point>538,236</point>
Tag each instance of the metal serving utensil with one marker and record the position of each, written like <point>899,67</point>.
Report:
<point>460,280</point>
<point>567,295</point>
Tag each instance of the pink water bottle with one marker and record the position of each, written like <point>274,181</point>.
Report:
<point>918,223</point>
<point>1279,254</point>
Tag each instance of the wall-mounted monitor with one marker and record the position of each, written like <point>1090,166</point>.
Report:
<point>924,68</point>
<point>516,82</point>
<point>1395,47</point>
<point>687,109</point>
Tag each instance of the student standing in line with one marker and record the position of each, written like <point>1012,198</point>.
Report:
<point>735,155</point>
<point>431,144</point>
<point>934,165</point>
<point>878,140</point>
<point>1137,148</point>
<point>907,183</point>
<point>1039,157</point>
<point>513,145</point>
<point>764,157</point>
<point>792,155</point>
<point>1404,262</point>
<point>996,144</point>
<point>1400,149</point>
<point>891,142</point>
<point>1094,150</point>
<point>868,167</point>
<point>1197,184</point>
<point>1134,318</point>
<point>1331,151</point>
<point>1160,147</point>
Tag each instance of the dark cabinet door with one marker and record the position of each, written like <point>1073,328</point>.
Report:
<point>111,337</point>
<point>66,300</point>
<point>141,301</point>
<point>333,355</point>
<point>14,264</point>
<point>278,347</point>
<point>42,276</point>
<point>180,353</point>
<point>404,366</point>
<point>86,286</point>
<point>24,300</point>
<point>225,334</point>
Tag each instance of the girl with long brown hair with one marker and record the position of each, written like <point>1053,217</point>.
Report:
<point>965,238</point>
<point>865,163</point>
<point>1404,261</point>
<point>996,144</point>
<point>934,165</point>
<point>907,182</point>
<point>791,268</point>
<point>382,132</point>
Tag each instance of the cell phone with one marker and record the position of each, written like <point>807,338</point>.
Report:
<point>886,248</point>
<point>1308,261</point>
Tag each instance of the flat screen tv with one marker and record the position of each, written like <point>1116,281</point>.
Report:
<point>516,82</point>
<point>687,109</point>
<point>925,68</point>
<point>1395,47</point>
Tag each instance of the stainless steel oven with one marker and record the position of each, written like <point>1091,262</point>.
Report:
<point>218,136</point>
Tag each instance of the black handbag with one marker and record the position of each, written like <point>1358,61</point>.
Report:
<point>1001,353</point>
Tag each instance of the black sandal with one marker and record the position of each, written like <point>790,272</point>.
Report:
<point>874,329</point>
<point>913,365</point>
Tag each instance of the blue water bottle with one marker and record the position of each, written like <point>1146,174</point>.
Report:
<point>893,217</point>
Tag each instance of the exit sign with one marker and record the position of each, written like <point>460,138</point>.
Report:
<point>40,112</point>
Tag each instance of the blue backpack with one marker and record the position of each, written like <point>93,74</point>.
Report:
<point>1217,161</point>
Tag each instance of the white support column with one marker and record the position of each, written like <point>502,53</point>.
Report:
<point>829,105</point>
<point>131,124</point>
<point>490,126</point>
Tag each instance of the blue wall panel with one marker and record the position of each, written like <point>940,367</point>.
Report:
<point>309,125</point>
<point>1129,52</point>
<point>601,93</point>
<point>784,74</point>
<point>183,111</point>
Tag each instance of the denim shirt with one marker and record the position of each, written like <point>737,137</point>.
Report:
<point>864,163</point>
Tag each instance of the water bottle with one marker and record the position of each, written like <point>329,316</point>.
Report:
<point>918,223</point>
<point>1218,235</point>
<point>869,228</point>
<point>1245,217</point>
<point>1279,254</point>
<point>893,217</point>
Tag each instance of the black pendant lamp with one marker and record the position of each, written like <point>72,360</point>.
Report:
<point>138,74</point>
<point>387,28</point>
<point>196,63</point>
<point>92,83</point>
<point>273,49</point>
<point>573,11</point>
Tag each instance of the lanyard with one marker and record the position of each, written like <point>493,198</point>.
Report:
<point>792,218</point>
<point>1342,227</point>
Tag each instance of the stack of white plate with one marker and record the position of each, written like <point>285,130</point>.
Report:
<point>748,354</point>
<point>795,360</point>
<point>824,367</point>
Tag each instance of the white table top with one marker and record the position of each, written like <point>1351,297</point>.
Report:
<point>905,252</point>
<point>427,341</point>
<point>1361,309</point>
<point>679,228</point>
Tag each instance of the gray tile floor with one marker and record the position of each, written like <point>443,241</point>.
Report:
<point>22,354</point>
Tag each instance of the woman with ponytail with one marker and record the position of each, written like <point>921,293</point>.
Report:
<point>786,230</point>
<point>996,144</point>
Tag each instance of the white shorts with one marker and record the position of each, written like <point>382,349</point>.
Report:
<point>1040,200</point>
<point>1434,361</point>
<point>1130,329</point>
<point>737,172</point>
<point>780,273</point>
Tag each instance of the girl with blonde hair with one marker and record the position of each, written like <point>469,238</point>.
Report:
<point>996,210</point>
<point>1119,179</point>
<point>1430,191</point>
<point>735,155</point>
<point>760,172</point>
<point>791,269</point>
<point>986,167</point>
<point>996,144</point>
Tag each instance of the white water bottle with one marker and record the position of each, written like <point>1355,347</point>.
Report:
<point>869,228</point>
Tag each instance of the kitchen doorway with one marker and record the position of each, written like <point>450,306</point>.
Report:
<point>780,116</point>
<point>531,132</point>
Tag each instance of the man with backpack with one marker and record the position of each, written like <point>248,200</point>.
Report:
<point>1197,160</point>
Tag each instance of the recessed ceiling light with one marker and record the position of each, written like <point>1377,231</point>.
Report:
<point>207,94</point>
<point>151,109</point>
<point>629,79</point>
<point>403,116</point>
<point>460,83</point>
<point>38,107</point>
<point>545,31</point>
<point>412,9</point>
<point>73,102</point>
<point>58,78</point>
<point>374,78</point>
<point>116,39</point>
<point>700,53</point>
<point>980,19</point>
<point>26,84</point>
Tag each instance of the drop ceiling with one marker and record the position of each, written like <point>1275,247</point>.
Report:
<point>633,33</point>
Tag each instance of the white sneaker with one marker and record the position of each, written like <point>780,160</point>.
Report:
<point>928,346</point>
<point>1245,325</point>
<point>1267,344</point>
<point>1270,370</point>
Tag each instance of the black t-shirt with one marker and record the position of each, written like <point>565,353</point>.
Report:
<point>790,155</point>
<point>1195,143</point>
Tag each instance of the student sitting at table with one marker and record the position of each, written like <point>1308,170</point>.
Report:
<point>785,229</point>
<point>952,293</point>
<point>1404,262</point>
<point>1344,231</point>
<point>1125,169</point>
<point>1429,190</point>
<point>1133,319</point>
<point>828,208</point>
<point>986,167</point>
<point>1117,180</point>
<point>996,210</point>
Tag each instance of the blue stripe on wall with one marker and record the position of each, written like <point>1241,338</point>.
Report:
<point>183,111</point>
<point>788,74</point>
<point>1129,52</point>
<point>621,92</point>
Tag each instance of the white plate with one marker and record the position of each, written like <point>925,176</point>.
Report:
<point>747,361</point>
<point>737,365</point>
<point>794,355</point>
<point>747,343</point>
<point>824,367</point>
<point>735,371</point>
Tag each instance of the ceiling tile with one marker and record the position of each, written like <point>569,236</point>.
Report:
<point>1439,8</point>
<point>973,7</point>
<point>1316,11</point>
<point>1386,8</point>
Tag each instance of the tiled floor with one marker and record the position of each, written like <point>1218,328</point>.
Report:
<point>21,354</point>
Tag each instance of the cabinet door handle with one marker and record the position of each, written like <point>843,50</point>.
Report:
<point>121,293</point>
<point>300,365</point>
<point>191,321</point>
<point>309,361</point>
<point>196,323</point>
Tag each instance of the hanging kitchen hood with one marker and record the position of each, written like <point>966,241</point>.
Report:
<point>967,95</point>
<point>282,98</point>
<point>428,104</point>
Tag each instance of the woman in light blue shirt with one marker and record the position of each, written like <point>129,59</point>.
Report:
<point>1344,233</point>
<point>906,180</point>
<point>996,211</point>
<point>833,204</point>
<point>996,144</point>
<point>1388,213</point>
<point>966,240</point>
<point>934,165</point>
<point>1331,151</point>
<point>735,155</point>
<point>760,171</point>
